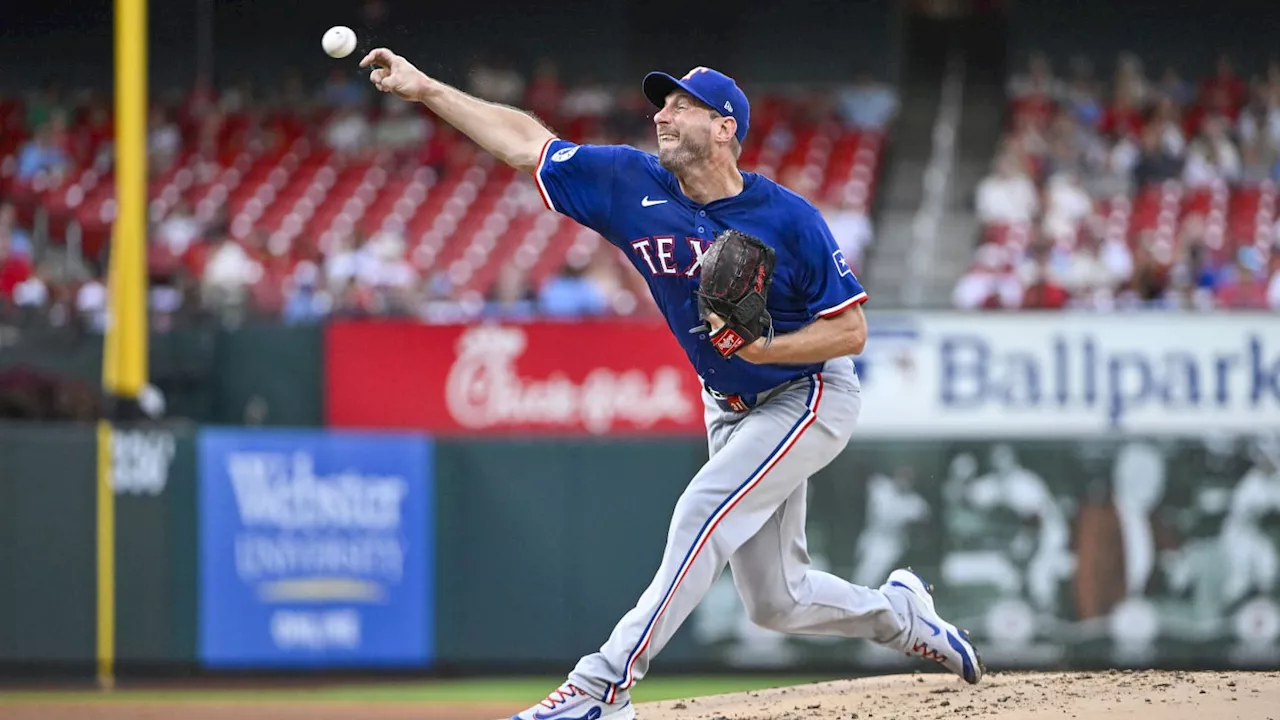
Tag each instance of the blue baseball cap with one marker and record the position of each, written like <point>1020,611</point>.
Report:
<point>710,86</point>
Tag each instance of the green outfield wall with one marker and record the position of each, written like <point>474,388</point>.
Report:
<point>1085,553</point>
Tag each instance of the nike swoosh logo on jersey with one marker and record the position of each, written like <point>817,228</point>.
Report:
<point>646,202</point>
<point>935,628</point>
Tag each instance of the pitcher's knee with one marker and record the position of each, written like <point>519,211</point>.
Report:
<point>772,613</point>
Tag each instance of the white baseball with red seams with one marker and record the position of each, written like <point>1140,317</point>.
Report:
<point>339,41</point>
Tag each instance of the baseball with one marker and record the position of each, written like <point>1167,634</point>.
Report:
<point>339,41</point>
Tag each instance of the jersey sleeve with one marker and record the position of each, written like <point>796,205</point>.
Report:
<point>830,285</point>
<point>578,180</point>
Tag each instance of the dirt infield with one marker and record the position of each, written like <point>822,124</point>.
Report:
<point>1001,696</point>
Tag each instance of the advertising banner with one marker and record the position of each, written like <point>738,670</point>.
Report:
<point>316,549</point>
<point>543,378</point>
<point>1096,553</point>
<point>947,374</point>
<point>1049,375</point>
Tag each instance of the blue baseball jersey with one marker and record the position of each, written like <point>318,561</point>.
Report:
<point>637,205</point>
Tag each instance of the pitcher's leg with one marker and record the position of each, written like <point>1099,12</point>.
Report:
<point>780,590</point>
<point>740,487</point>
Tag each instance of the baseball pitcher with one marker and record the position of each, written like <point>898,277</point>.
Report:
<point>755,289</point>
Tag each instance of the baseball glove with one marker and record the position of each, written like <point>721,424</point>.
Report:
<point>736,274</point>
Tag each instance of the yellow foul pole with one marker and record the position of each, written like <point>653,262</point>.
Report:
<point>124,368</point>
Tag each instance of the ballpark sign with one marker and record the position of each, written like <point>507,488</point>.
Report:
<point>1065,374</point>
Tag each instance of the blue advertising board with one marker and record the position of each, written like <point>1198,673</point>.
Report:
<point>316,549</point>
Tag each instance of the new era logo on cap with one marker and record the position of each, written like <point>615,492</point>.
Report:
<point>710,86</point>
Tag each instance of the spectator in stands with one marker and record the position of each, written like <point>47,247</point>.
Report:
<point>989,283</point>
<point>349,300</point>
<point>1042,292</point>
<point>1073,146</point>
<point>1245,287</point>
<point>1085,276</point>
<point>1175,88</point>
<point>402,126</point>
<point>1007,196</point>
<point>91,299</point>
<point>1083,102</point>
<point>390,280</point>
<point>228,275</point>
<point>1212,157</point>
<point>1038,81</point>
<point>349,131</point>
<point>41,104</point>
<point>867,104</point>
<point>1217,104</point>
<point>1258,125</point>
<point>14,269</point>
<point>510,298</point>
<point>1109,170</point>
<point>1155,164</point>
<point>1166,116</point>
<point>1067,205</point>
<point>1124,116</point>
<point>1194,277</point>
<point>95,136</point>
<point>179,229</point>
<point>1225,83</point>
<point>164,140</point>
<point>33,293</point>
<point>1257,160</point>
<point>341,262</point>
<point>18,239</point>
<point>571,294</point>
<point>1151,277</point>
<point>41,154</point>
<point>1031,139</point>
<point>1131,80</point>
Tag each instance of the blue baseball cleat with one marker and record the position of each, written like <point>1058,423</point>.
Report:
<point>929,636</point>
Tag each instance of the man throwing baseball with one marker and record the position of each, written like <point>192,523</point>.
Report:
<point>755,289</point>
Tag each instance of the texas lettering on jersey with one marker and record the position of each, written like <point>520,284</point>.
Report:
<point>637,205</point>
<point>659,255</point>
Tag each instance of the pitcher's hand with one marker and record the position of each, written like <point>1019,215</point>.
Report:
<point>396,75</point>
<point>755,352</point>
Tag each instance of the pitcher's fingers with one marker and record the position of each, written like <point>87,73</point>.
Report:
<point>381,56</point>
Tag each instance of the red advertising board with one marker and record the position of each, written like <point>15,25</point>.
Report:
<point>590,378</point>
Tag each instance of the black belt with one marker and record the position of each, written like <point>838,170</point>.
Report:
<point>737,402</point>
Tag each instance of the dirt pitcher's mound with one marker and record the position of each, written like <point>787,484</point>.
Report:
<point>1002,696</point>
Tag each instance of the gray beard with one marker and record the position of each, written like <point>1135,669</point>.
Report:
<point>681,157</point>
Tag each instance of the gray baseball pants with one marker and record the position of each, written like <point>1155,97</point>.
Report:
<point>746,509</point>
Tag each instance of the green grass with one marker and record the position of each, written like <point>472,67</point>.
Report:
<point>513,690</point>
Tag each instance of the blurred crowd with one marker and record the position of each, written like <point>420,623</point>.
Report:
<point>1147,188</point>
<point>200,264</point>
